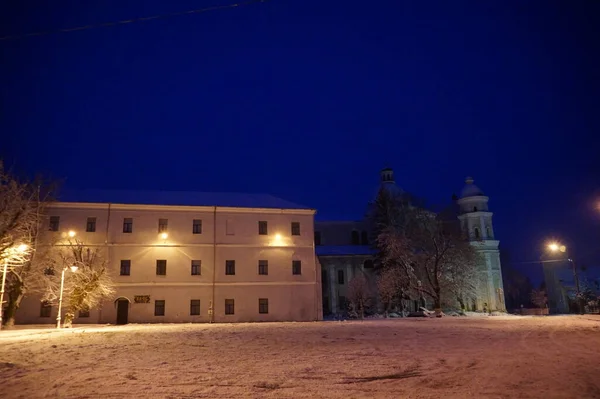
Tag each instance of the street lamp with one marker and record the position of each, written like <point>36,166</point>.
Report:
<point>62,285</point>
<point>555,247</point>
<point>13,253</point>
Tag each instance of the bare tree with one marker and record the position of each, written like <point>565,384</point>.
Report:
<point>21,214</point>
<point>538,298</point>
<point>433,253</point>
<point>391,286</point>
<point>85,288</point>
<point>359,294</point>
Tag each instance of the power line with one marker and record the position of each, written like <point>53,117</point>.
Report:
<point>128,21</point>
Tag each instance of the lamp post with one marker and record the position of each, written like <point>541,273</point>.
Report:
<point>12,253</point>
<point>62,286</point>
<point>555,247</point>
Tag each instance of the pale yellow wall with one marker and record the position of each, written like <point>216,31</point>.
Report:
<point>291,297</point>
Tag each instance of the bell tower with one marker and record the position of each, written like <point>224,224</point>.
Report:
<point>476,221</point>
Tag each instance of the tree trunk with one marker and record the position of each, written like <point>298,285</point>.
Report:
<point>15,296</point>
<point>437,303</point>
<point>461,302</point>
<point>361,310</point>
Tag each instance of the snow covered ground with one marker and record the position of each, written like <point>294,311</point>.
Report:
<point>452,357</point>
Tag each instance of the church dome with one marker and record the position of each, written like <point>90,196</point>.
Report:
<point>470,189</point>
<point>388,183</point>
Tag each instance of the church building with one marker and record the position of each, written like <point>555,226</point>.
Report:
<point>345,249</point>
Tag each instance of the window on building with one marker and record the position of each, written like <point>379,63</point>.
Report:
<point>488,232</point>
<point>477,233</point>
<point>263,228</point>
<point>127,225</point>
<point>84,313</point>
<point>196,267</point>
<point>263,267</point>
<point>163,225</point>
<point>197,226</point>
<point>195,307</point>
<point>263,305</point>
<point>364,238</point>
<point>229,230</point>
<point>54,223</point>
<point>126,267</point>
<point>355,238</point>
<point>368,264</point>
<point>161,267</point>
<point>340,277</point>
<point>230,267</point>
<point>90,226</point>
<point>296,267</point>
<point>45,309</point>
<point>159,308</point>
<point>317,238</point>
<point>229,306</point>
<point>295,228</point>
<point>474,209</point>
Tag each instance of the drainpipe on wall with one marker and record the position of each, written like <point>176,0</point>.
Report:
<point>214,271</point>
<point>318,288</point>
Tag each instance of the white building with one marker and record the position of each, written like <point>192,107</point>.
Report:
<point>193,257</point>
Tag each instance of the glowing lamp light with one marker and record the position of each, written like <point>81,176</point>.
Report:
<point>74,268</point>
<point>553,247</point>
<point>164,236</point>
<point>22,248</point>
<point>71,233</point>
<point>277,237</point>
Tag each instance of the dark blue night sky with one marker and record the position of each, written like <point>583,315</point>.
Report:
<point>309,99</point>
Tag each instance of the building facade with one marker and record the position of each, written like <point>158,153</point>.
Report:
<point>345,249</point>
<point>191,262</point>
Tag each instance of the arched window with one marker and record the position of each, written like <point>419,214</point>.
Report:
<point>474,209</point>
<point>488,232</point>
<point>364,238</point>
<point>355,238</point>
<point>477,233</point>
<point>368,264</point>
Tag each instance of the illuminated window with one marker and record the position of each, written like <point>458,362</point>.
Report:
<point>54,223</point>
<point>230,267</point>
<point>197,226</point>
<point>195,307</point>
<point>90,226</point>
<point>125,267</point>
<point>196,267</point>
<point>263,305</point>
<point>159,308</point>
<point>127,225</point>
<point>229,306</point>
<point>263,267</point>
<point>163,225</point>
<point>262,228</point>
<point>161,267</point>
<point>295,228</point>
<point>296,267</point>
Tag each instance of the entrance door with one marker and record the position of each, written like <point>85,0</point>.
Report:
<point>122,311</point>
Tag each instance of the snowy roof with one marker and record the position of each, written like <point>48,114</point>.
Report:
<point>337,250</point>
<point>182,198</point>
<point>470,189</point>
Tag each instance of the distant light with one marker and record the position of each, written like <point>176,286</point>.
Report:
<point>563,248</point>
<point>553,247</point>
<point>22,248</point>
<point>74,268</point>
<point>277,237</point>
<point>71,233</point>
<point>164,236</point>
